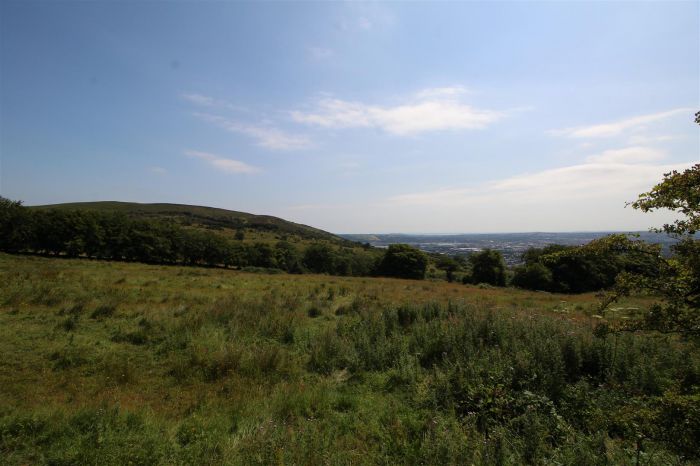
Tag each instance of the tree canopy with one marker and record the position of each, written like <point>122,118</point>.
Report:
<point>680,192</point>
<point>488,267</point>
<point>675,280</point>
<point>403,261</point>
<point>113,235</point>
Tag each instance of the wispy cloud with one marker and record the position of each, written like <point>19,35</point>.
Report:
<point>645,139</point>
<point>628,155</point>
<point>208,101</point>
<point>428,110</point>
<point>449,92</point>
<point>265,136</point>
<point>199,99</point>
<point>616,128</point>
<point>158,170</point>
<point>222,163</point>
<point>612,174</point>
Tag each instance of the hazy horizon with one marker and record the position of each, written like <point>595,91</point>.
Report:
<point>476,117</point>
<point>389,233</point>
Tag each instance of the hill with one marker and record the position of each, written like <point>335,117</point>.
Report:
<point>206,217</point>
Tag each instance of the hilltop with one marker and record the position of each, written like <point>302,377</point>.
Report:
<point>205,217</point>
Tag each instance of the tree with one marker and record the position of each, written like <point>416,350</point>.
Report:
<point>679,280</point>
<point>449,265</point>
<point>489,267</point>
<point>287,257</point>
<point>403,261</point>
<point>675,280</point>
<point>15,227</point>
<point>261,255</point>
<point>535,276</point>
<point>319,258</point>
<point>680,192</point>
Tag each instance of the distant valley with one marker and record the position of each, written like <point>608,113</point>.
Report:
<point>511,245</point>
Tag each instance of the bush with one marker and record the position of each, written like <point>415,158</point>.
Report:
<point>533,277</point>
<point>403,261</point>
<point>488,267</point>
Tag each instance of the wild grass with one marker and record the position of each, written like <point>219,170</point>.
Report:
<point>116,363</point>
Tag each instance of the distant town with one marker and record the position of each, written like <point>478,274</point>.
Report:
<point>511,245</point>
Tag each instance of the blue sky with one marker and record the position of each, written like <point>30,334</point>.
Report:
<point>353,117</point>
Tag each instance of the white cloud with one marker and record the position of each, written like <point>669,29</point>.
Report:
<point>627,155</point>
<point>429,110</point>
<point>266,136</point>
<point>222,163</point>
<point>644,139</point>
<point>611,175</point>
<point>320,53</point>
<point>618,127</point>
<point>158,170</point>
<point>207,101</point>
<point>199,99</point>
<point>442,92</point>
<point>589,196</point>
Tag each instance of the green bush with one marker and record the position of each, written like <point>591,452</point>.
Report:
<point>403,261</point>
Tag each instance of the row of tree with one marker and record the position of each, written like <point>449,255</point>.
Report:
<point>622,265</point>
<point>115,236</point>
<point>555,268</point>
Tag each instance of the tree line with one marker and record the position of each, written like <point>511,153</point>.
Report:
<point>116,236</point>
<point>553,268</point>
<point>622,265</point>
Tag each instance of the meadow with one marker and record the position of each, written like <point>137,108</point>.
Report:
<point>124,363</point>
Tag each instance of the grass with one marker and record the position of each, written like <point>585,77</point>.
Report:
<point>117,363</point>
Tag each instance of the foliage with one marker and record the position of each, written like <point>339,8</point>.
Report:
<point>533,276</point>
<point>199,216</point>
<point>679,192</point>
<point>488,267</point>
<point>571,269</point>
<point>450,265</point>
<point>115,236</point>
<point>319,258</point>
<point>675,280</point>
<point>403,261</point>
<point>13,225</point>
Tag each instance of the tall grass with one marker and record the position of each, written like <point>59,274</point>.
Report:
<point>152,365</point>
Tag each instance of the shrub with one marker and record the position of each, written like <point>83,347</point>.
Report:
<point>403,261</point>
<point>488,267</point>
<point>534,276</point>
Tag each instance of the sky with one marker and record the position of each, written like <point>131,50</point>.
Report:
<point>354,117</point>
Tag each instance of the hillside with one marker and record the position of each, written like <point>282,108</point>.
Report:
<point>124,363</point>
<point>207,217</point>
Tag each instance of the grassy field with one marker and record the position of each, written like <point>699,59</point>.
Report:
<point>118,363</point>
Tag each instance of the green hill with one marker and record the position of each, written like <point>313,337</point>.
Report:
<point>206,217</point>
